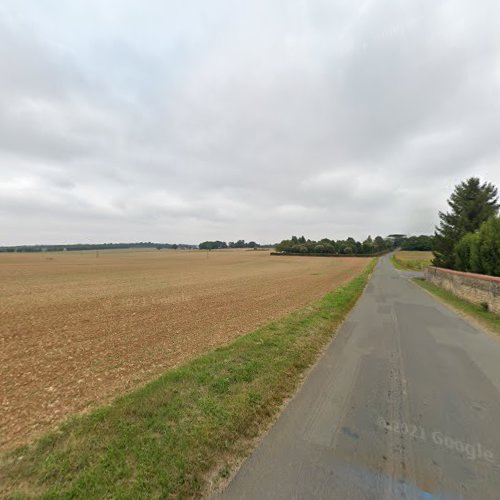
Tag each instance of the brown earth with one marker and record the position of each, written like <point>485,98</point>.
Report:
<point>76,330</point>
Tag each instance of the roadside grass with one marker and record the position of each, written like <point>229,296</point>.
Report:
<point>397,265</point>
<point>488,319</point>
<point>411,261</point>
<point>171,437</point>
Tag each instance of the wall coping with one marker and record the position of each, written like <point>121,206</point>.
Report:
<point>483,277</point>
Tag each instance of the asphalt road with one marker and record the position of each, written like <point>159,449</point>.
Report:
<point>405,403</point>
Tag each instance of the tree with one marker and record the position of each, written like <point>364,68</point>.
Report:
<point>465,249</point>
<point>397,239</point>
<point>471,203</point>
<point>488,248</point>
<point>212,245</point>
<point>368,245</point>
<point>349,246</point>
<point>420,243</point>
<point>379,244</point>
<point>479,252</point>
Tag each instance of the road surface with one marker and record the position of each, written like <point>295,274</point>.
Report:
<point>405,403</point>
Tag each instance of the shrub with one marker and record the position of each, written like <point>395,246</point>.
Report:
<point>464,250</point>
<point>480,252</point>
<point>489,247</point>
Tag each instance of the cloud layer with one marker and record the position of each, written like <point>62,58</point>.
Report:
<point>185,121</point>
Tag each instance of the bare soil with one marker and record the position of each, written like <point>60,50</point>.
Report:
<point>77,330</point>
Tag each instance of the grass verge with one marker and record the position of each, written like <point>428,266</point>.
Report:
<point>488,319</point>
<point>166,438</point>
<point>398,265</point>
<point>411,261</point>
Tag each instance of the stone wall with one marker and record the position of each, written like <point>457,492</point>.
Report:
<point>476,288</point>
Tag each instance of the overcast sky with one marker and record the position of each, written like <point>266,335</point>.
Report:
<point>180,121</point>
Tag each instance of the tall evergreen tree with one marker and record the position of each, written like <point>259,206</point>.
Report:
<point>471,203</point>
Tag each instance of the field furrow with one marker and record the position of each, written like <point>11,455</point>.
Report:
<point>76,330</point>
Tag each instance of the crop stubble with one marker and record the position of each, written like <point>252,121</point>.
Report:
<point>77,330</point>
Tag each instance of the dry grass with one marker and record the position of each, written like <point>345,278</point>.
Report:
<point>415,261</point>
<point>77,330</point>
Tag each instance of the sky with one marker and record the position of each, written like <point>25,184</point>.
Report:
<point>182,121</point>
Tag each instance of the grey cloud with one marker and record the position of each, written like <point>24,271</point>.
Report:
<point>178,123</point>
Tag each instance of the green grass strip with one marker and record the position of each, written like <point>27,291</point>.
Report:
<point>398,265</point>
<point>409,265</point>
<point>488,319</point>
<point>166,438</point>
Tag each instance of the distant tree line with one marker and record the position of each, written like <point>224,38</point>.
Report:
<point>92,246</point>
<point>418,243</point>
<point>336,247</point>
<point>217,245</point>
<point>468,236</point>
<point>397,239</point>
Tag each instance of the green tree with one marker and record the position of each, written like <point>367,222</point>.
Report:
<point>212,245</point>
<point>379,243</point>
<point>464,251</point>
<point>368,245</point>
<point>397,239</point>
<point>488,247</point>
<point>471,203</point>
<point>419,243</point>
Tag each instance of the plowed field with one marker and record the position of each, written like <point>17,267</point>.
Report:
<point>76,330</point>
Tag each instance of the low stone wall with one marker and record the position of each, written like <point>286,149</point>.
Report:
<point>476,288</point>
